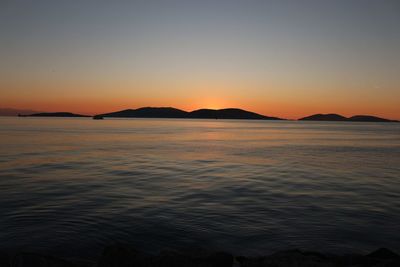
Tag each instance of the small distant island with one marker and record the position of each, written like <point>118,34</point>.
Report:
<point>54,114</point>
<point>337,117</point>
<point>16,112</point>
<point>169,112</point>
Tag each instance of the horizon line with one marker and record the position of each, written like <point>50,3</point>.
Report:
<point>215,109</point>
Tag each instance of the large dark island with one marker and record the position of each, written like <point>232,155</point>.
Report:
<point>169,112</point>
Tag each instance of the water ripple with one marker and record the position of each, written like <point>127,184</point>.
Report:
<point>244,187</point>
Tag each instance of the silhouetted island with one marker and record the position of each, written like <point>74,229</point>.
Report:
<point>228,113</point>
<point>369,118</point>
<point>324,117</point>
<point>169,112</point>
<point>147,112</point>
<point>337,117</point>
<point>54,114</point>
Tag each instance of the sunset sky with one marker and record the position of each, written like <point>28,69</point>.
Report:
<point>279,58</point>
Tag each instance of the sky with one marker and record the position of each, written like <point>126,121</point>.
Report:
<point>278,58</point>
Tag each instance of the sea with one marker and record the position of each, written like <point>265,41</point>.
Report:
<point>71,186</point>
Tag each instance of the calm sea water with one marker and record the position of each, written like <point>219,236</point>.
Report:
<point>71,186</point>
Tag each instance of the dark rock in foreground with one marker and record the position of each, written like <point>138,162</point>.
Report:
<point>5,260</point>
<point>123,256</point>
<point>296,258</point>
<point>126,256</point>
<point>383,253</point>
<point>36,260</point>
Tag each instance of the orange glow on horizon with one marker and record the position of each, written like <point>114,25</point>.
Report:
<point>276,109</point>
<point>93,100</point>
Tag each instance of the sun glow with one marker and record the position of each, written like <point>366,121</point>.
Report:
<point>212,103</point>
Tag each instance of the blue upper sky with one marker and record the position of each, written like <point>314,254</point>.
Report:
<point>254,53</point>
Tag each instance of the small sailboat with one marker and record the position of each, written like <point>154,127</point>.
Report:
<point>98,117</point>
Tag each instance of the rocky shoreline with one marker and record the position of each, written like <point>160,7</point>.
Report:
<point>126,256</point>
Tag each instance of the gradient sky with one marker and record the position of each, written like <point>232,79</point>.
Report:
<point>279,58</point>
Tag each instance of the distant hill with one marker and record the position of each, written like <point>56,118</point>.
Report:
<point>324,117</point>
<point>228,113</point>
<point>55,114</point>
<point>148,112</point>
<point>369,118</point>
<point>337,117</point>
<point>15,112</point>
<point>169,112</point>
